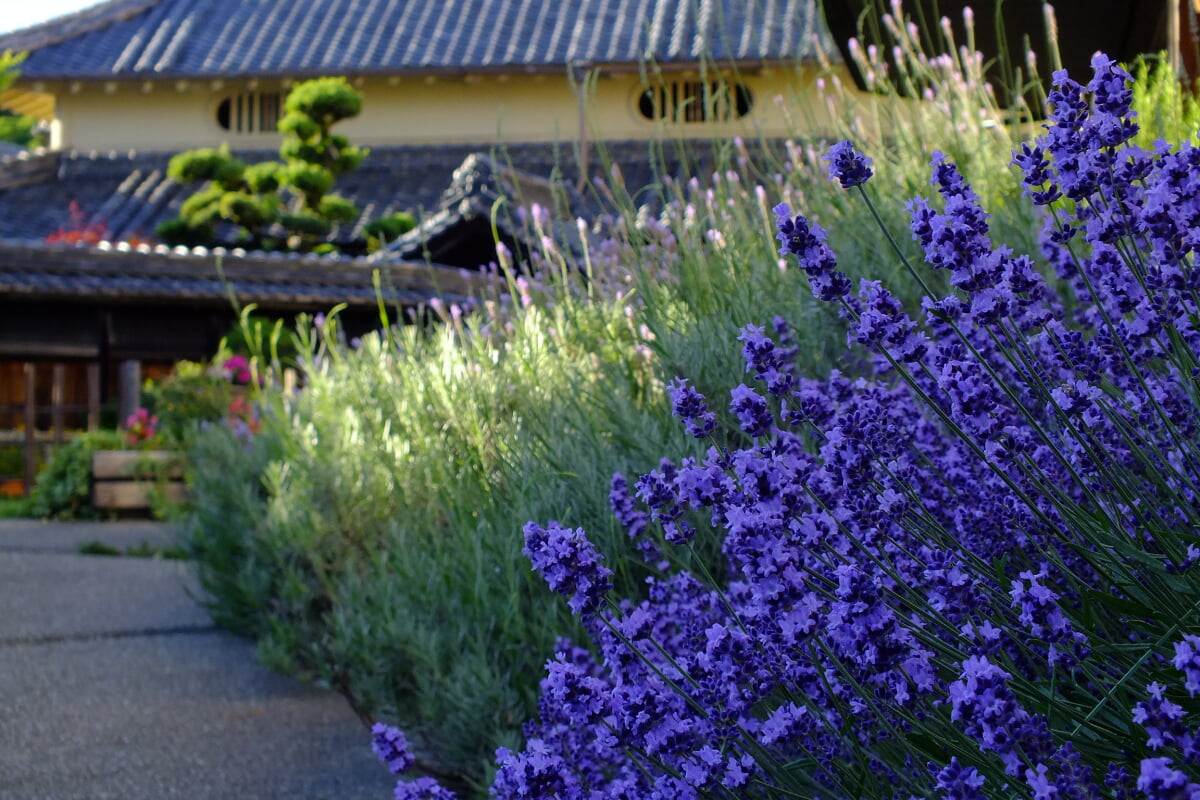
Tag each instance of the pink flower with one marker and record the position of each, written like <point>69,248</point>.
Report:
<point>237,369</point>
<point>140,426</point>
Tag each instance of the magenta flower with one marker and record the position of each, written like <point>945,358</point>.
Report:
<point>237,369</point>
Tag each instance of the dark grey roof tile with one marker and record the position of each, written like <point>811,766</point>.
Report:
<point>305,37</point>
<point>130,195</point>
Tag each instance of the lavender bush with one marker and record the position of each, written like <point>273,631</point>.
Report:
<point>970,574</point>
<point>370,539</point>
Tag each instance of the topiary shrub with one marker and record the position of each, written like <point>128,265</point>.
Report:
<point>381,231</point>
<point>287,201</point>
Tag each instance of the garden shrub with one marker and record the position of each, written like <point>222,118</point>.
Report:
<point>970,573</point>
<point>12,461</point>
<point>64,486</point>
<point>191,394</point>
<point>224,478</point>
<point>361,537</point>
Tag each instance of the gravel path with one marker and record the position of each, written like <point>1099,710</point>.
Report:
<point>115,684</point>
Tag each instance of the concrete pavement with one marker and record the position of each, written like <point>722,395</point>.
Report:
<point>114,684</point>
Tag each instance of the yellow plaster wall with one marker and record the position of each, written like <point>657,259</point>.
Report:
<point>176,116</point>
<point>126,116</point>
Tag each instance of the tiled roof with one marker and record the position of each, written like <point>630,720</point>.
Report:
<point>129,194</point>
<point>152,38</point>
<point>280,282</point>
<point>458,190</point>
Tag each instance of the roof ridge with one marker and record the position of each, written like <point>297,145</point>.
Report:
<point>77,23</point>
<point>35,166</point>
<point>28,155</point>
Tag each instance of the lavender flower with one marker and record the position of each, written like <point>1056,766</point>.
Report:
<point>658,490</point>
<point>578,696</point>
<point>847,166</point>
<point>1162,719</point>
<point>768,362</point>
<point>883,323</point>
<point>751,410</point>
<point>570,565</point>
<point>391,747</point>
<point>956,782</point>
<point>633,520</point>
<point>689,406</point>
<point>1044,619</point>
<point>422,789</point>
<point>1032,162</point>
<point>538,772</point>
<point>1158,781</point>
<point>1187,661</point>
<point>1113,99</point>
<point>806,241</point>
<point>987,709</point>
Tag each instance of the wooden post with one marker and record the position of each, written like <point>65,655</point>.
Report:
<point>131,389</point>
<point>30,427</point>
<point>93,390</point>
<point>1191,50</point>
<point>1175,48</point>
<point>56,402</point>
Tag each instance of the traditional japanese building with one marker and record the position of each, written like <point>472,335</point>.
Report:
<point>127,83</point>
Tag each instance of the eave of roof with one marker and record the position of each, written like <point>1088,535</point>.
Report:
<point>141,275</point>
<point>577,69</point>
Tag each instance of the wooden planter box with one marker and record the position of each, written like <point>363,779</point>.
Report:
<point>122,480</point>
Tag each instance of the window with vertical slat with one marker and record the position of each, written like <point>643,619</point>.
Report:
<point>250,112</point>
<point>695,101</point>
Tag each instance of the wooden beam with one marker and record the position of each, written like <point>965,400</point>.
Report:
<point>93,392</point>
<point>124,479</point>
<point>132,464</point>
<point>1175,49</point>
<point>56,402</point>
<point>30,427</point>
<point>17,437</point>
<point>131,495</point>
<point>130,388</point>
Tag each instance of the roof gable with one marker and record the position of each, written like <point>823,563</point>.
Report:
<point>147,38</point>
